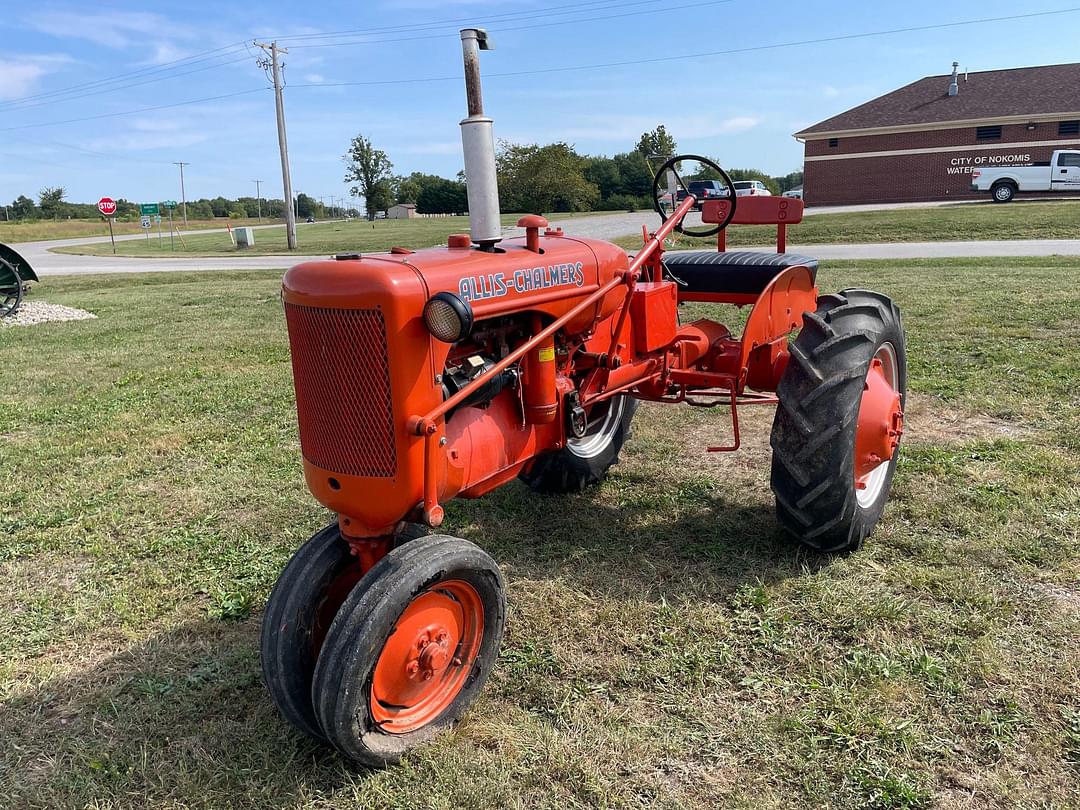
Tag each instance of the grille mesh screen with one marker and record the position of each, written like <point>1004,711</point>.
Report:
<point>342,375</point>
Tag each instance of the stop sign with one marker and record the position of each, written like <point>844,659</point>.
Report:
<point>107,206</point>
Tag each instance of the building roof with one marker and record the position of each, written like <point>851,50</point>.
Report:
<point>404,205</point>
<point>988,94</point>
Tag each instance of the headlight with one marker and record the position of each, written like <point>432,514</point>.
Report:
<point>447,317</point>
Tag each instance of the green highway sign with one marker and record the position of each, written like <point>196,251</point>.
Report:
<point>146,209</point>
<point>169,204</point>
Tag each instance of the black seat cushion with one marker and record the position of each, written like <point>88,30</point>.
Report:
<point>738,271</point>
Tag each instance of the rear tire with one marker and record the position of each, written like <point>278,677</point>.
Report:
<point>585,461</point>
<point>814,430</point>
<point>1003,192</point>
<point>410,649</point>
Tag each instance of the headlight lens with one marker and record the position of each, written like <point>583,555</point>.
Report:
<point>447,317</point>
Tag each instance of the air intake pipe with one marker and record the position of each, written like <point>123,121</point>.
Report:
<point>478,145</point>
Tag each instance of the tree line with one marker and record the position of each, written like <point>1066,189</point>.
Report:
<point>52,203</point>
<point>534,178</point>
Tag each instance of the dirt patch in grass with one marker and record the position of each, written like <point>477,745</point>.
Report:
<point>929,420</point>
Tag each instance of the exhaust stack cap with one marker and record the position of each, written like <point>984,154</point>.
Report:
<point>954,86</point>
<point>478,147</point>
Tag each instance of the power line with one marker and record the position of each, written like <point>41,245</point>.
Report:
<point>704,54</point>
<point>571,68</point>
<point>80,94</point>
<point>549,10</point>
<point>122,82</point>
<point>636,13</point>
<point>164,67</point>
<point>134,112</point>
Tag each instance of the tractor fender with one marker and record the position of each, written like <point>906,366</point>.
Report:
<point>21,265</point>
<point>777,312</point>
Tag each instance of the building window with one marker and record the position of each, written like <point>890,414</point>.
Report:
<point>1069,128</point>
<point>834,142</point>
<point>988,133</point>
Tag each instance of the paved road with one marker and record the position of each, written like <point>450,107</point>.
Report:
<point>47,263</point>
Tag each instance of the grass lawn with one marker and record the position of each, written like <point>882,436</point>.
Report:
<point>359,235</point>
<point>1032,219</point>
<point>666,646</point>
<point>38,230</point>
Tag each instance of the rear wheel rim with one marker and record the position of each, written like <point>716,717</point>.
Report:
<point>426,661</point>
<point>879,427</point>
<point>604,421</point>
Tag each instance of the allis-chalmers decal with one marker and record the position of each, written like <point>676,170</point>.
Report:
<point>528,279</point>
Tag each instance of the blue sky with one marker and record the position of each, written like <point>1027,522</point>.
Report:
<point>740,108</point>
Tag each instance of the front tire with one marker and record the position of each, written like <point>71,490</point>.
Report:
<point>302,606</point>
<point>584,462</point>
<point>836,431</point>
<point>410,649</point>
<point>1003,192</point>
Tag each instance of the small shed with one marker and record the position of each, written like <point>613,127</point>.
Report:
<point>401,211</point>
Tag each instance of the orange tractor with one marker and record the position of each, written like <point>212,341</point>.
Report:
<point>427,375</point>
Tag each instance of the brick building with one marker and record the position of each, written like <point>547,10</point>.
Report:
<point>922,142</point>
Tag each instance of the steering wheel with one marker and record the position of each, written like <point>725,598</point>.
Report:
<point>724,179</point>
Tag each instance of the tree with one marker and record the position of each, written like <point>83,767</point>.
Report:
<point>790,180</point>
<point>543,178</point>
<point>369,168</point>
<point>22,207</point>
<point>380,197</point>
<point>635,174</point>
<point>657,143</point>
<point>442,196</point>
<point>306,206</point>
<point>408,189</point>
<point>603,172</point>
<point>51,201</point>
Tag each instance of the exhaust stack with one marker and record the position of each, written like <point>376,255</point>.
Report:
<point>954,85</point>
<point>478,146</point>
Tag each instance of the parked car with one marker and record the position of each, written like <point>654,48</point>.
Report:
<point>311,219</point>
<point>703,190</point>
<point>1060,173</point>
<point>751,188</point>
<point>794,193</point>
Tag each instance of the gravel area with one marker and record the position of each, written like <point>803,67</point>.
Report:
<point>34,312</point>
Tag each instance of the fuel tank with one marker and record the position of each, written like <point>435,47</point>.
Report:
<point>364,363</point>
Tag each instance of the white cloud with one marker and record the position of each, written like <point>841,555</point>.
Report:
<point>431,148</point>
<point>20,75</point>
<point>829,91</point>
<point>630,127</point>
<point>112,29</point>
<point>314,78</point>
<point>141,141</point>
<point>156,124</point>
<point>165,52</point>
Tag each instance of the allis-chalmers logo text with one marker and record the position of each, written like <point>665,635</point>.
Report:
<point>528,279</point>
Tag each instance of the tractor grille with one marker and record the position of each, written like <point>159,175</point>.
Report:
<point>342,376</point>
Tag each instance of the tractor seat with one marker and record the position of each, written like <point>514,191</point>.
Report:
<point>739,271</point>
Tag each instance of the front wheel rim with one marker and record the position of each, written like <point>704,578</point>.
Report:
<point>426,661</point>
<point>600,431</point>
<point>879,426</point>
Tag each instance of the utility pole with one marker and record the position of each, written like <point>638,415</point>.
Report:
<point>183,196</point>
<point>283,144</point>
<point>258,196</point>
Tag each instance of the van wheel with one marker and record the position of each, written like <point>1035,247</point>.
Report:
<point>1003,192</point>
